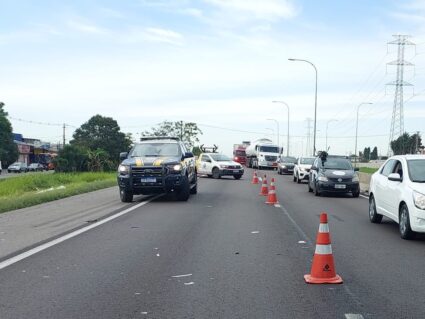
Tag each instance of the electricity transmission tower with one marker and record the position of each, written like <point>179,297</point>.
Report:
<point>397,121</point>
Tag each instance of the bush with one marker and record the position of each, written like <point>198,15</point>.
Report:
<point>71,159</point>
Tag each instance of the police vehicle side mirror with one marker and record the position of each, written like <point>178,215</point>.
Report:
<point>123,155</point>
<point>188,155</point>
<point>356,169</point>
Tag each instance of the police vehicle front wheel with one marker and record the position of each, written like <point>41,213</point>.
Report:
<point>126,196</point>
<point>184,192</point>
<point>215,173</point>
<point>237,176</point>
<point>194,189</point>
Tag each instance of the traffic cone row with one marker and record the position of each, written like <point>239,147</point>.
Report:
<point>323,267</point>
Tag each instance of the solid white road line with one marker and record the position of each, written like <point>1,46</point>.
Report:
<point>59,240</point>
<point>353,316</point>
<point>364,196</point>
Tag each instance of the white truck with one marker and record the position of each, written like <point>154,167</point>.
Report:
<point>262,153</point>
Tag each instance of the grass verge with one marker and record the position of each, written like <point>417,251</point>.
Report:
<point>368,170</point>
<point>34,189</point>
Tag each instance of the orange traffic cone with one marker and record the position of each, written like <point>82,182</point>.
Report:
<point>255,178</point>
<point>272,199</point>
<point>323,269</point>
<point>264,189</point>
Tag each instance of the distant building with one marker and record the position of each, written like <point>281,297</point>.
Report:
<point>32,150</point>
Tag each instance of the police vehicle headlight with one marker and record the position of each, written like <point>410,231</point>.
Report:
<point>419,200</point>
<point>355,178</point>
<point>223,166</point>
<point>175,168</point>
<point>323,179</point>
<point>123,169</point>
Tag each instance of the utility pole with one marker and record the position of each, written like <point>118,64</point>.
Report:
<point>63,136</point>
<point>397,121</point>
<point>309,120</point>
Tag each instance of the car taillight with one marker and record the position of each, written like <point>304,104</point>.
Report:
<point>236,158</point>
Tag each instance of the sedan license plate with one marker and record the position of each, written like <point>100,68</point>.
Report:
<point>340,186</point>
<point>148,180</point>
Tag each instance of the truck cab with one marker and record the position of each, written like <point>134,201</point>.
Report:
<point>239,156</point>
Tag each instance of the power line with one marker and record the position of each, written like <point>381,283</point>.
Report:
<point>39,123</point>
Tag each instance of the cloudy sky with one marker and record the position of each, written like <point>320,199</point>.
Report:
<point>219,63</point>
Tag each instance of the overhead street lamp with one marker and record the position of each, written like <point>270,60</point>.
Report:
<point>315,102</point>
<point>277,124</point>
<point>357,128</point>
<point>287,138</point>
<point>327,124</point>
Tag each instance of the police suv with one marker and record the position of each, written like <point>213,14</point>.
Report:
<point>157,165</point>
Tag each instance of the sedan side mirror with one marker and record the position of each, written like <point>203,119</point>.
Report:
<point>395,177</point>
<point>123,155</point>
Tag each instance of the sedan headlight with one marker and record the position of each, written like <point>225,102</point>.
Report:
<point>323,179</point>
<point>355,178</point>
<point>123,169</point>
<point>419,200</point>
<point>223,166</point>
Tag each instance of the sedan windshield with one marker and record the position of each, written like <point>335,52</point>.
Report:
<point>288,160</point>
<point>416,170</point>
<point>220,158</point>
<point>307,160</point>
<point>337,163</point>
<point>155,150</point>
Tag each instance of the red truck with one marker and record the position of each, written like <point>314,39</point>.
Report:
<point>239,154</point>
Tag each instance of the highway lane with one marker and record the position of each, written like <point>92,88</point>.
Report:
<point>244,259</point>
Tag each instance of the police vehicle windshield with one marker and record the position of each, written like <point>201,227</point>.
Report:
<point>155,150</point>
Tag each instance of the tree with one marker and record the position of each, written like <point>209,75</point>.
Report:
<point>102,133</point>
<point>71,158</point>
<point>406,144</point>
<point>366,154</point>
<point>374,154</point>
<point>8,149</point>
<point>196,150</point>
<point>188,132</point>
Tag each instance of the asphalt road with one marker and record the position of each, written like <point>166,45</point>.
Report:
<point>223,254</point>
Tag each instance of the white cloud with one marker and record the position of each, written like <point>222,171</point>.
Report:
<point>84,27</point>
<point>194,12</point>
<point>254,9</point>
<point>152,34</point>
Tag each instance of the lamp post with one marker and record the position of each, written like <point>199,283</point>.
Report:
<point>287,138</point>
<point>327,124</point>
<point>277,124</point>
<point>357,129</point>
<point>315,102</point>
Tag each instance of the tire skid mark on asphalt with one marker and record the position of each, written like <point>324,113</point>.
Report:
<point>73,234</point>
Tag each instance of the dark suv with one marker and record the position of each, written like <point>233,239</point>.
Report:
<point>333,174</point>
<point>157,165</point>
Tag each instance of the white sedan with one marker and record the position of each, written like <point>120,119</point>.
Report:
<point>397,191</point>
<point>216,165</point>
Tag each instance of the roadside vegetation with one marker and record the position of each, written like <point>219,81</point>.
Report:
<point>368,170</point>
<point>28,190</point>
